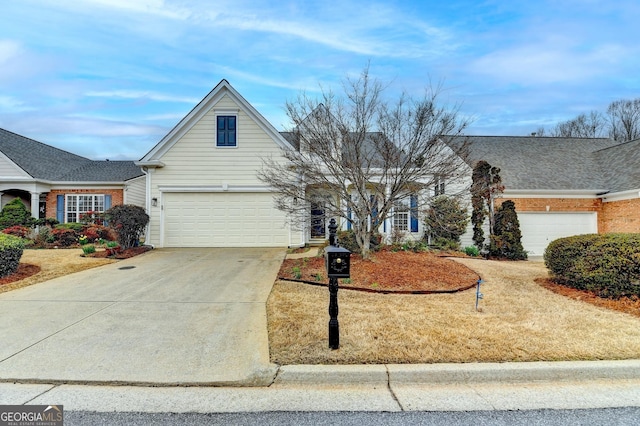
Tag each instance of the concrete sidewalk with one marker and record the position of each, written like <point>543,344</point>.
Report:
<point>168,317</point>
<point>437,387</point>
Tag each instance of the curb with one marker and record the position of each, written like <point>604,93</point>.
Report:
<point>439,374</point>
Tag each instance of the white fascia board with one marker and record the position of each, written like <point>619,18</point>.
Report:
<point>200,110</point>
<point>621,196</point>
<point>87,185</point>
<point>550,193</point>
<point>149,164</point>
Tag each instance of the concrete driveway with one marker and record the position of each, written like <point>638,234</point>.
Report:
<point>170,316</point>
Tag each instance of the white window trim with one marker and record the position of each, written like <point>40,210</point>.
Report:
<point>77,210</point>
<point>404,217</point>
<point>227,113</point>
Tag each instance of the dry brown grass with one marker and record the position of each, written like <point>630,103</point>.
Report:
<point>53,264</point>
<point>520,321</point>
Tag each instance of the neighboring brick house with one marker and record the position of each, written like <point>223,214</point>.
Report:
<point>55,183</point>
<point>564,186</point>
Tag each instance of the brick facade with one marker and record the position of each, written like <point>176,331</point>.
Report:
<point>117,197</point>
<point>620,216</point>
<point>617,216</point>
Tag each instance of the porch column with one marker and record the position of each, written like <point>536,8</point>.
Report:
<point>35,204</point>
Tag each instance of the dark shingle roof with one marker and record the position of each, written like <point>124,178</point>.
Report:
<point>543,163</point>
<point>620,165</point>
<point>372,150</point>
<point>45,162</point>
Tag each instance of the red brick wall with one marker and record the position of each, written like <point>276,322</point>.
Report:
<point>117,197</point>
<point>555,204</point>
<point>617,216</point>
<point>620,216</point>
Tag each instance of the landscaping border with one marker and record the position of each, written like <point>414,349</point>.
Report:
<point>373,290</point>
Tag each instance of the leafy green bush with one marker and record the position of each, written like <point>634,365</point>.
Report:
<point>15,213</point>
<point>445,244</point>
<point>445,221</point>
<point>11,249</point>
<point>472,251</point>
<point>129,222</point>
<point>607,264</point>
<point>74,226</point>
<point>88,249</point>
<point>347,239</point>
<point>49,221</point>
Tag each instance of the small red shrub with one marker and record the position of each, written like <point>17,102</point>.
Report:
<point>65,237</point>
<point>17,231</point>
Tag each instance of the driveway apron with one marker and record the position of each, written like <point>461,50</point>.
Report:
<point>170,316</point>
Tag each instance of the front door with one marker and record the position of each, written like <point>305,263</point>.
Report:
<point>318,225</point>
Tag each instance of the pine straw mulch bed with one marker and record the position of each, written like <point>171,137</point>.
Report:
<point>628,305</point>
<point>46,264</point>
<point>388,272</point>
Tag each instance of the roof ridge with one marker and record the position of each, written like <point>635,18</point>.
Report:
<point>44,144</point>
<point>617,145</point>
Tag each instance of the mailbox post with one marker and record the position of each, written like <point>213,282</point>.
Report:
<point>337,260</point>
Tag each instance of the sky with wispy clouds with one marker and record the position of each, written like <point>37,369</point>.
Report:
<point>109,78</point>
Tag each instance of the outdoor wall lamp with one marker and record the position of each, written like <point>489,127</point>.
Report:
<point>154,202</point>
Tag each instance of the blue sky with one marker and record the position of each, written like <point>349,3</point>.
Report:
<point>109,78</point>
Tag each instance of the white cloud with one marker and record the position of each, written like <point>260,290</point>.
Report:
<point>546,63</point>
<point>150,7</point>
<point>135,94</point>
<point>12,105</point>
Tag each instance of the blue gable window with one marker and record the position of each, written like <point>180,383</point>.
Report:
<point>226,131</point>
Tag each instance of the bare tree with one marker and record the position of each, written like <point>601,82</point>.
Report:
<point>624,119</point>
<point>360,155</point>
<point>592,125</point>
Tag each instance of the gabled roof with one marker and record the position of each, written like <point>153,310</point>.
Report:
<point>152,158</point>
<point>45,162</point>
<point>544,163</point>
<point>372,150</point>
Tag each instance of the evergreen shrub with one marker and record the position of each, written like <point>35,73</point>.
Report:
<point>15,213</point>
<point>11,249</point>
<point>506,239</point>
<point>607,264</point>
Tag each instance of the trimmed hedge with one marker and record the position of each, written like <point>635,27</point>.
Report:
<point>607,264</point>
<point>10,253</point>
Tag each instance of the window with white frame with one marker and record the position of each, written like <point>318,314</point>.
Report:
<point>79,204</point>
<point>401,210</point>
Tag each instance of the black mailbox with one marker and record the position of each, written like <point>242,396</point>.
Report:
<point>337,261</point>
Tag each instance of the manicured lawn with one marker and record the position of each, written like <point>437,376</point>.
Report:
<point>520,320</point>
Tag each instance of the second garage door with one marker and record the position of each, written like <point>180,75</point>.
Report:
<point>223,220</point>
<point>539,229</point>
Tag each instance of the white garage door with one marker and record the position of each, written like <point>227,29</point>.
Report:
<point>539,229</point>
<point>223,220</point>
